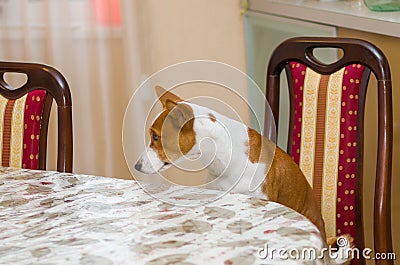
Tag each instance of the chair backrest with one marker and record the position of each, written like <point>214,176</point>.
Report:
<point>24,116</point>
<point>326,129</point>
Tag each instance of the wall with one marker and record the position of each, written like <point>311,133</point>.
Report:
<point>180,30</point>
<point>390,46</point>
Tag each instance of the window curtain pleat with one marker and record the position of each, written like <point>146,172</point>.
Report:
<point>98,55</point>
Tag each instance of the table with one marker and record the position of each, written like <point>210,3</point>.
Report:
<point>59,218</point>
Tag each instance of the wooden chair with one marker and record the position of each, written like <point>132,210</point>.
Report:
<point>326,130</point>
<point>25,113</point>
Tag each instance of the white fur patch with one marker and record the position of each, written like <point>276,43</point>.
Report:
<point>150,161</point>
<point>221,148</point>
<point>230,169</point>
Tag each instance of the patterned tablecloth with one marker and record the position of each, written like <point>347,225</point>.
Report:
<point>57,218</point>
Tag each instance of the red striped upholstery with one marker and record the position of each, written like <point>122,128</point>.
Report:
<point>325,140</point>
<point>20,129</point>
<point>326,130</point>
<point>25,119</point>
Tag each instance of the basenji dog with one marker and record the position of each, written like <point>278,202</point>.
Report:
<point>239,155</point>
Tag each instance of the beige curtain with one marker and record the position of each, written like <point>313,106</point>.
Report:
<point>94,44</point>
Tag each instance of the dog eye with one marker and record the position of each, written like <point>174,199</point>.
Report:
<point>155,137</point>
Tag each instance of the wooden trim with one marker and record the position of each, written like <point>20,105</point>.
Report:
<point>44,131</point>
<point>356,51</point>
<point>47,78</point>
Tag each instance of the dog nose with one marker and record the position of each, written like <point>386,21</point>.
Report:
<point>138,166</point>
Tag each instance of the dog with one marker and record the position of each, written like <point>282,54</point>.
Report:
<point>239,156</point>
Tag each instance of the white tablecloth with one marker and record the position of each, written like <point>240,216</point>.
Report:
<point>57,218</point>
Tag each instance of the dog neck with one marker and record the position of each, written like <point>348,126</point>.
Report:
<point>220,140</point>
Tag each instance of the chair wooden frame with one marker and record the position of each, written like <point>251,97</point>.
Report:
<point>355,51</point>
<point>46,78</point>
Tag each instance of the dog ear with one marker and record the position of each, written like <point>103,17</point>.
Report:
<point>179,113</point>
<point>164,95</point>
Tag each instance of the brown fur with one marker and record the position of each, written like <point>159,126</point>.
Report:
<point>212,117</point>
<point>174,128</point>
<point>285,183</point>
<point>254,144</point>
<point>165,95</point>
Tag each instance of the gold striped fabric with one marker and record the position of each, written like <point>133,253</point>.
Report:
<point>12,131</point>
<point>319,152</point>
<point>3,103</point>
<point>310,99</point>
<point>326,115</point>
<point>331,154</point>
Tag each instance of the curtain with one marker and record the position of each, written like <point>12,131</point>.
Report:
<point>94,44</point>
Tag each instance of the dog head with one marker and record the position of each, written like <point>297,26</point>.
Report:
<point>172,135</point>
